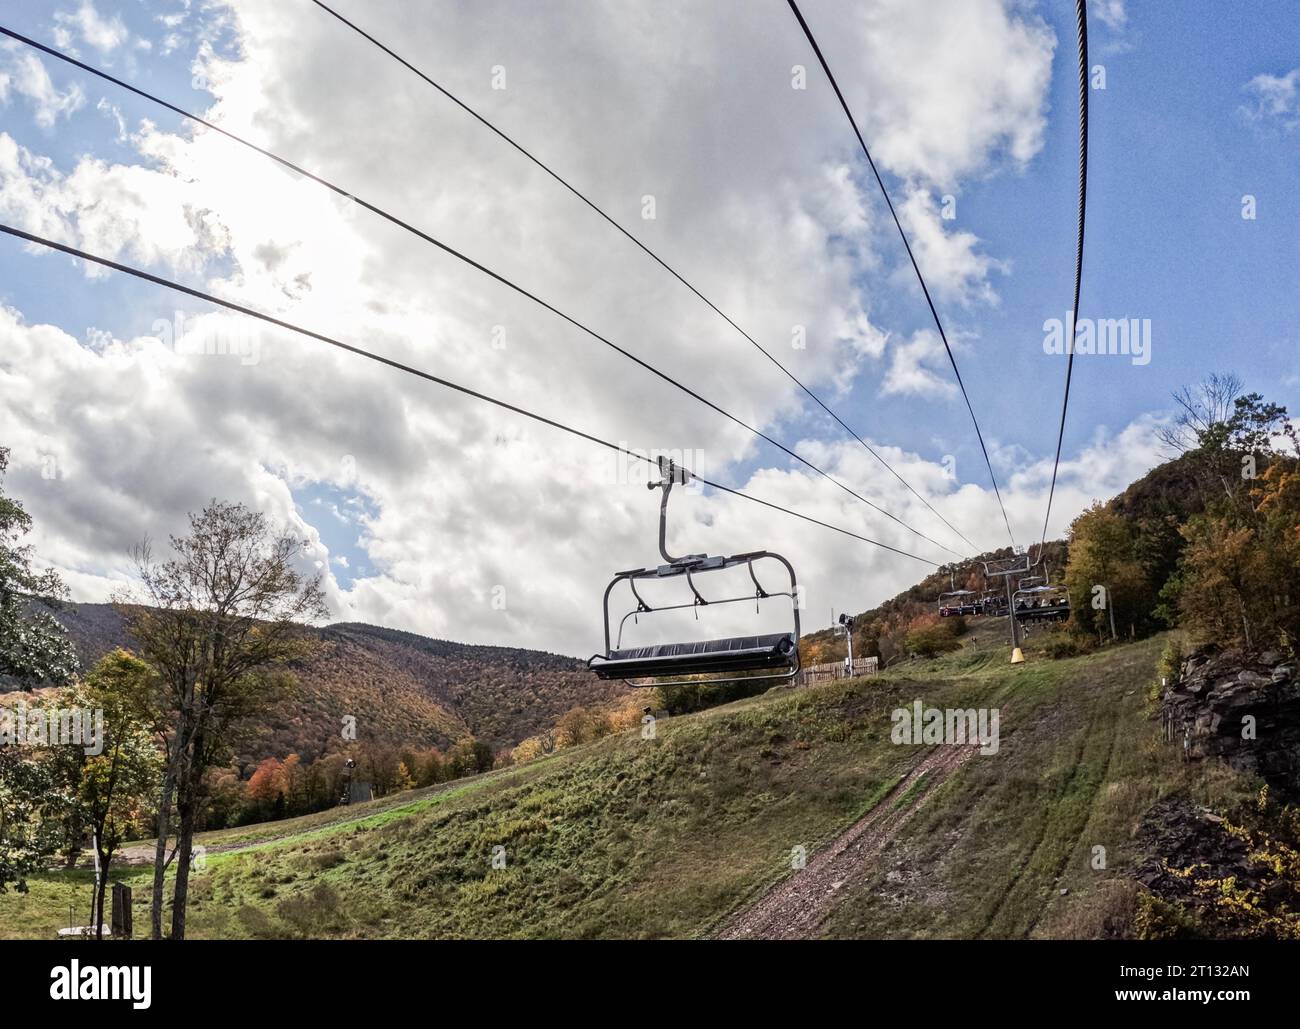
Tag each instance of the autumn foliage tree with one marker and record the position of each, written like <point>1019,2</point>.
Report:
<point>220,623</point>
<point>114,786</point>
<point>33,650</point>
<point>1241,569</point>
<point>1106,575</point>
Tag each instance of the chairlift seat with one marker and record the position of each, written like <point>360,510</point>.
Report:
<point>771,656</point>
<point>735,654</point>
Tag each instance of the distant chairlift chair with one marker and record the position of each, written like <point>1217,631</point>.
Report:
<point>958,602</point>
<point>1035,605</point>
<point>774,655</point>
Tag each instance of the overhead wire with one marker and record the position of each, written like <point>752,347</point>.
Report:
<point>1081,13</point>
<point>230,305</point>
<point>803,24</point>
<point>521,149</point>
<point>471,262</point>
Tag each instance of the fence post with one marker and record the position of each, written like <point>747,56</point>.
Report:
<point>121,911</point>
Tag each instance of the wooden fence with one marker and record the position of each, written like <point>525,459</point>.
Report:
<point>838,670</point>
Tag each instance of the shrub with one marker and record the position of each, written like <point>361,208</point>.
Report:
<point>256,921</point>
<point>933,640</point>
<point>1059,644</point>
<point>328,859</point>
<point>1171,662</point>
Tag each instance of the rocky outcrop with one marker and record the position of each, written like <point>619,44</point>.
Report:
<point>1176,834</point>
<point>1209,712</point>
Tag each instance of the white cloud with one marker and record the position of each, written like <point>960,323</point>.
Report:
<point>1110,13</point>
<point>1274,98</point>
<point>916,367</point>
<point>954,268</point>
<point>114,112</point>
<point>110,209</point>
<point>27,77</point>
<point>758,204</point>
<point>944,88</point>
<point>104,34</point>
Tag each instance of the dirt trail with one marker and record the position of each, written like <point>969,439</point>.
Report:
<point>796,908</point>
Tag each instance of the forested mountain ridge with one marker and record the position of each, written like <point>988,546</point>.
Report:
<point>402,688</point>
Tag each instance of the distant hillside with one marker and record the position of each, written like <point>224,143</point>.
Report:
<point>503,694</point>
<point>402,688</point>
<point>879,630</point>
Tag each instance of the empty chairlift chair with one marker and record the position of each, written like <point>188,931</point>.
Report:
<point>763,656</point>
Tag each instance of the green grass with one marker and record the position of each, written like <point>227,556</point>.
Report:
<point>993,849</point>
<point>666,837</point>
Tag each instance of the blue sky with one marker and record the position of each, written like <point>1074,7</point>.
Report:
<point>1171,156</point>
<point>1182,131</point>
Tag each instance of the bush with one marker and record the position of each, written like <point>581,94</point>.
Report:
<point>939,637</point>
<point>328,859</point>
<point>256,921</point>
<point>1157,919</point>
<point>1171,662</point>
<point>1059,644</point>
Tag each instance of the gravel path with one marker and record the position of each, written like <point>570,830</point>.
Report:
<point>796,908</point>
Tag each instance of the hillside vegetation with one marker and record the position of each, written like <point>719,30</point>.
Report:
<point>1144,782</point>
<point>404,689</point>
<point>670,836</point>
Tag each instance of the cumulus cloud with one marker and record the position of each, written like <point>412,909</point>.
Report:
<point>109,209</point>
<point>26,76</point>
<point>757,200</point>
<point>944,88</point>
<point>104,34</point>
<point>1274,99</point>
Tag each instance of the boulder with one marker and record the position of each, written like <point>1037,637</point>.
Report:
<point>1213,701</point>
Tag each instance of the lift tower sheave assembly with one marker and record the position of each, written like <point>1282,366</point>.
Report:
<point>1004,568</point>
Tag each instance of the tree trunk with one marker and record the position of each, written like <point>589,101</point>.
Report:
<point>101,887</point>
<point>187,806</point>
<point>160,852</point>
<point>185,845</point>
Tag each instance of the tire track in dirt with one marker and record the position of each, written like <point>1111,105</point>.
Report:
<point>1062,791</point>
<point>797,907</point>
<point>1065,860</point>
<point>1005,895</point>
